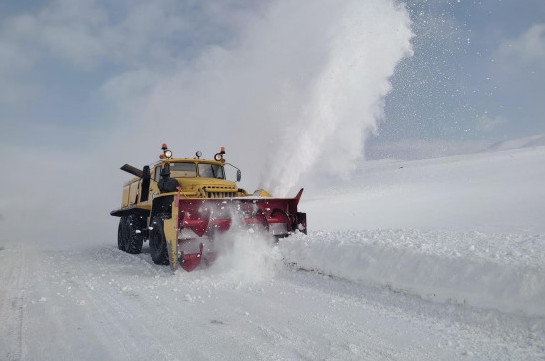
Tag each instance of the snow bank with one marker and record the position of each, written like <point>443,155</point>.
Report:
<point>503,272</point>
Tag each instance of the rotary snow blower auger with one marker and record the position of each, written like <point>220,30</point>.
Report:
<point>181,204</point>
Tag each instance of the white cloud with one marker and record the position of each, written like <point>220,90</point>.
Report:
<point>517,78</point>
<point>487,123</point>
<point>526,51</point>
<point>89,36</point>
<point>86,36</point>
<point>16,59</point>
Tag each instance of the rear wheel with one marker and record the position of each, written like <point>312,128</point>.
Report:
<point>122,234</point>
<point>158,242</point>
<point>135,238</point>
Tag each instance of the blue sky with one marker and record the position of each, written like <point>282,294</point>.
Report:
<point>477,71</point>
<point>292,89</point>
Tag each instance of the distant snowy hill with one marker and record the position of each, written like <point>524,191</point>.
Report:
<point>416,149</point>
<point>499,191</point>
<point>532,141</point>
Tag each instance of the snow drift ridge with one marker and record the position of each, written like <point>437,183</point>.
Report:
<point>485,271</point>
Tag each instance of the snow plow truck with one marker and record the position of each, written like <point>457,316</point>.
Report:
<point>181,204</point>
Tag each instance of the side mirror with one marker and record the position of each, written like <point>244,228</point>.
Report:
<point>239,174</point>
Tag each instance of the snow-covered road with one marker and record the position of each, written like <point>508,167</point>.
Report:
<point>443,289</point>
<point>102,304</point>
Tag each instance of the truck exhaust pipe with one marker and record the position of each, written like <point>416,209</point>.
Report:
<point>133,170</point>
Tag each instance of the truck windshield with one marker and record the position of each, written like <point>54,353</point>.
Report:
<point>183,170</point>
<point>207,170</point>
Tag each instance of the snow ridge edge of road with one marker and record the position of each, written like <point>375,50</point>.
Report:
<point>474,269</point>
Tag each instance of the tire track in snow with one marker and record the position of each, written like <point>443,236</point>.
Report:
<point>137,303</point>
<point>12,274</point>
<point>115,311</point>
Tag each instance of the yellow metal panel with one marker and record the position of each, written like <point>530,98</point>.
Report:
<point>133,193</point>
<point>261,193</point>
<point>125,197</point>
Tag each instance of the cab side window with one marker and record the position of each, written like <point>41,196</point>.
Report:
<point>157,175</point>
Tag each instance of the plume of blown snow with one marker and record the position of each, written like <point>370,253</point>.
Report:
<point>245,255</point>
<point>345,96</point>
<point>302,82</point>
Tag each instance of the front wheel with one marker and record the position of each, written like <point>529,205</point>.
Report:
<point>158,242</point>
<point>135,239</point>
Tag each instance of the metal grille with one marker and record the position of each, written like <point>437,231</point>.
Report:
<point>220,194</point>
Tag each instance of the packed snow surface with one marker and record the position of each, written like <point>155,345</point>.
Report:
<point>438,259</point>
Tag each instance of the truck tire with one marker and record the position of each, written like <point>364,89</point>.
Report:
<point>135,238</point>
<point>158,242</point>
<point>122,234</point>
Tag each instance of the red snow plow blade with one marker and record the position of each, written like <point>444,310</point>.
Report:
<point>205,217</point>
<point>191,261</point>
<point>208,217</point>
